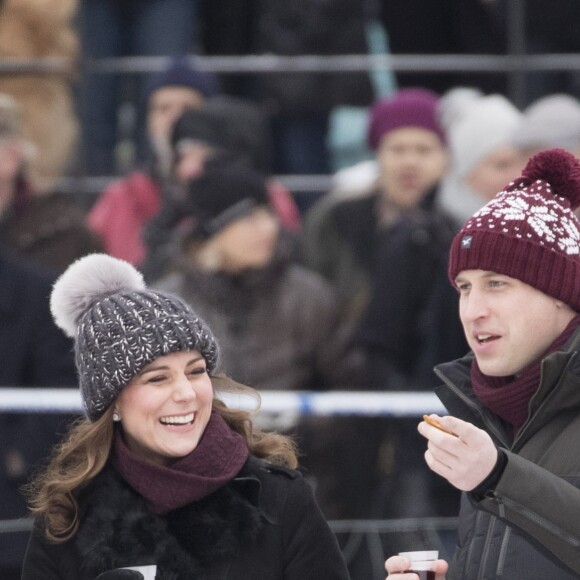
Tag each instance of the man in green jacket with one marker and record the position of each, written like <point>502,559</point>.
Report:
<point>514,401</point>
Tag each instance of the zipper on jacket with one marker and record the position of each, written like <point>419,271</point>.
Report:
<point>542,522</point>
<point>486,546</point>
<point>503,550</point>
<point>478,516</point>
<point>472,406</point>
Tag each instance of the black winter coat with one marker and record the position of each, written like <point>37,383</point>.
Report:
<point>34,352</point>
<point>412,320</point>
<point>263,525</point>
<point>529,525</point>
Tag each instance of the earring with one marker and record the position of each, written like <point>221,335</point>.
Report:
<point>116,417</point>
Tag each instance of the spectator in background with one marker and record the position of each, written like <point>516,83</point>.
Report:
<point>37,29</point>
<point>365,248</point>
<point>551,121</point>
<point>120,212</point>
<point>277,321</point>
<point>412,158</point>
<point>481,131</point>
<point>42,227</point>
<point>225,126</point>
<point>34,353</point>
<point>550,32</point>
<point>452,27</point>
<point>239,127</point>
<point>410,322</point>
<point>298,103</point>
<point>118,28</point>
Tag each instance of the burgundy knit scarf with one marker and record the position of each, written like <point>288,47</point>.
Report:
<point>509,397</point>
<point>217,459</point>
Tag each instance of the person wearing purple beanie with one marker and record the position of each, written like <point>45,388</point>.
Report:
<point>385,253</point>
<point>514,400</point>
<point>411,155</point>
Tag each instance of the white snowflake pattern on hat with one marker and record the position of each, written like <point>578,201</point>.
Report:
<point>546,217</point>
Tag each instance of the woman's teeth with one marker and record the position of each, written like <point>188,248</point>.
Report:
<point>178,420</point>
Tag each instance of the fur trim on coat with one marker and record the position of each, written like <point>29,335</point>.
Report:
<point>118,530</point>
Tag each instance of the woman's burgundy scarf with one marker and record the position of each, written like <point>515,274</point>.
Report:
<point>217,459</point>
<point>509,397</point>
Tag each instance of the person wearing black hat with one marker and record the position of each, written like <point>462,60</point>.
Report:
<point>122,209</point>
<point>225,127</point>
<point>275,317</point>
<point>277,320</point>
<point>161,477</point>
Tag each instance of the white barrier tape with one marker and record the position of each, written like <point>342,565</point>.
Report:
<point>366,403</point>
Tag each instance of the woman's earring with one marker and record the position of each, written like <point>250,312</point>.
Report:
<point>116,417</point>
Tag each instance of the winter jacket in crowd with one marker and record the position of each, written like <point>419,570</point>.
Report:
<point>342,247</point>
<point>348,247</point>
<point>48,230</point>
<point>528,526</point>
<point>262,525</point>
<point>412,320</point>
<point>120,213</point>
<point>276,325</point>
<point>34,353</point>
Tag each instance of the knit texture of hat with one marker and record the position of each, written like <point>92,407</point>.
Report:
<point>529,231</point>
<point>120,326</point>
<point>226,191</point>
<point>405,108</point>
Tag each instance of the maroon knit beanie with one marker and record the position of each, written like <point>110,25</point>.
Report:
<point>405,108</point>
<point>529,231</point>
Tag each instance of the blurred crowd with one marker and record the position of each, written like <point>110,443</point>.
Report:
<point>343,289</point>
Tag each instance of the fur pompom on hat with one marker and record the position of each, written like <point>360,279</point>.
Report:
<point>529,231</point>
<point>120,326</point>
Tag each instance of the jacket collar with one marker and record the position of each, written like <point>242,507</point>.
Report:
<point>558,391</point>
<point>117,529</point>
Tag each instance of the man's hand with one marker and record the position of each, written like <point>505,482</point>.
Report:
<point>465,458</point>
<point>396,566</point>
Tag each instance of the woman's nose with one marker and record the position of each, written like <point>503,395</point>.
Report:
<point>183,389</point>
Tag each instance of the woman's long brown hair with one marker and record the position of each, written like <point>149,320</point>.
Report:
<point>83,454</point>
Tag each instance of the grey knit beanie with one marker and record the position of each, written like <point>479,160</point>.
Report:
<point>120,326</point>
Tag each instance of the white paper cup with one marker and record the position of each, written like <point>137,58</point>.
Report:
<point>421,560</point>
<point>149,572</point>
